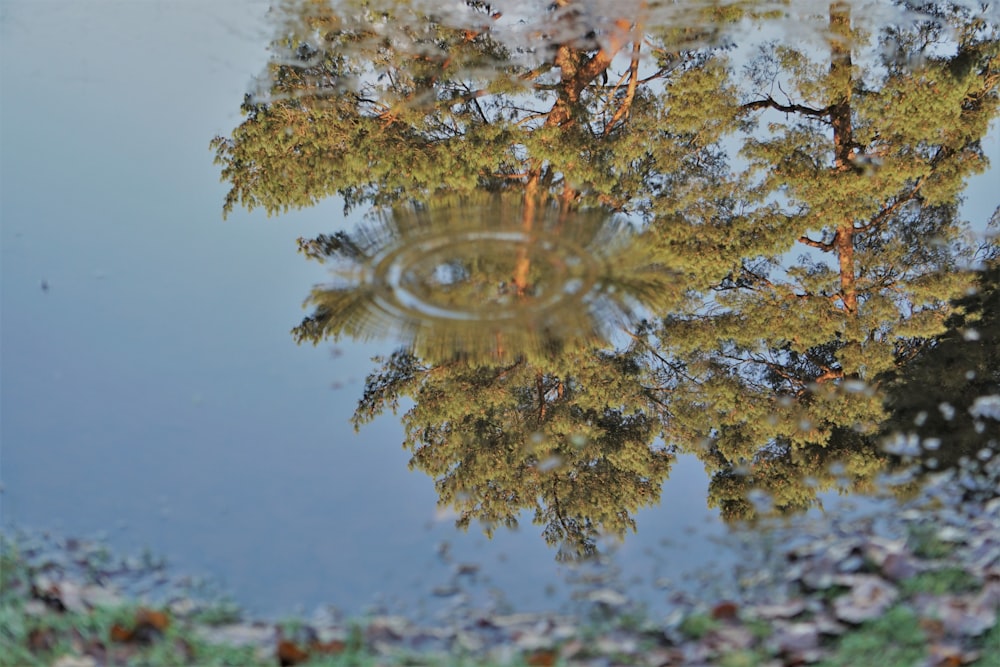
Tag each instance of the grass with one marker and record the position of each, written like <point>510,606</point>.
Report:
<point>28,640</point>
<point>697,626</point>
<point>990,647</point>
<point>895,640</point>
<point>222,612</point>
<point>743,659</point>
<point>924,542</point>
<point>941,582</point>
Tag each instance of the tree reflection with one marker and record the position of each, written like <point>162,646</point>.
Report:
<point>772,370</point>
<point>488,278</point>
<point>861,171</point>
<point>515,405</point>
<point>573,440</point>
<point>383,103</point>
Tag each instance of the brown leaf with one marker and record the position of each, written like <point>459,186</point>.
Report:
<point>725,611</point>
<point>289,654</point>
<point>147,627</point>
<point>120,633</point>
<point>945,655</point>
<point>541,658</point>
<point>152,618</point>
<point>933,627</point>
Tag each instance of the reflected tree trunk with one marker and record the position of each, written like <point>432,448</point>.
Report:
<point>843,142</point>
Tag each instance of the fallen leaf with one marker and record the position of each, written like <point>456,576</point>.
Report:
<point>868,598</point>
<point>290,654</point>
<point>897,567</point>
<point>933,627</point>
<point>946,655</point>
<point>788,609</point>
<point>796,639</point>
<point>119,633</point>
<point>152,618</point>
<point>543,658</point>
<point>147,627</point>
<point>725,611</point>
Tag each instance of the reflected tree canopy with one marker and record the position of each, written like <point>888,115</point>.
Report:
<point>543,436</point>
<point>859,172</point>
<point>792,278</point>
<point>387,102</point>
<point>486,278</point>
<point>516,405</point>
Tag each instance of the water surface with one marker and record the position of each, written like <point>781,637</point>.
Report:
<point>601,307</point>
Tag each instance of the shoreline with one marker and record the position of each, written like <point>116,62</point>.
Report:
<point>923,588</point>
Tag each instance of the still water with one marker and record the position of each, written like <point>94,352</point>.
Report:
<point>610,273</point>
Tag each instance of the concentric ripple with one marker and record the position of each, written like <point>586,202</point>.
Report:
<point>482,276</point>
<point>489,278</point>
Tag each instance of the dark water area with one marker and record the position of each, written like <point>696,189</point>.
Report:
<point>619,278</point>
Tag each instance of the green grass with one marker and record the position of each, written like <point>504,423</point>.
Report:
<point>759,629</point>
<point>894,640</point>
<point>697,626</point>
<point>924,542</point>
<point>223,612</point>
<point>63,633</point>
<point>948,580</point>
<point>990,647</point>
<point>743,659</point>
